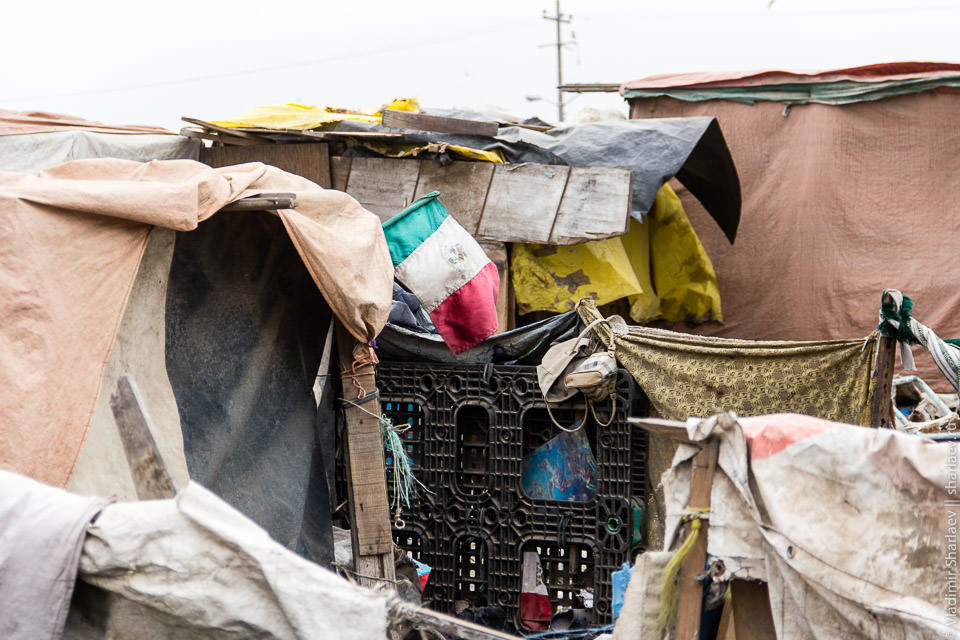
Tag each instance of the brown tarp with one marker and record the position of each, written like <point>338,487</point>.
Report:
<point>839,203</point>
<point>71,241</point>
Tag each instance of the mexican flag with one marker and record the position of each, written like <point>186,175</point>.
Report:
<point>440,263</point>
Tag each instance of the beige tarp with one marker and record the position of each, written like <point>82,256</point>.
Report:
<point>839,203</point>
<point>71,244</point>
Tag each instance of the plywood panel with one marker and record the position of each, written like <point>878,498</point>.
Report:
<point>310,160</point>
<point>522,202</point>
<point>595,205</point>
<point>462,186</point>
<point>384,186</point>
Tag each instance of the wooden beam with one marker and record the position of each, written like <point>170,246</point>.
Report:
<point>370,529</point>
<point>499,255</point>
<point>151,478</point>
<point>263,202</point>
<point>881,400</point>
<point>690,590</point>
<point>422,122</point>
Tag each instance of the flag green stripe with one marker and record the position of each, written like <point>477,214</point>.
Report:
<point>411,227</point>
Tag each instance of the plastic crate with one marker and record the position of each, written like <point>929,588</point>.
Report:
<point>468,430</point>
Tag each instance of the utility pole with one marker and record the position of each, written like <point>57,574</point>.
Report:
<point>559,18</point>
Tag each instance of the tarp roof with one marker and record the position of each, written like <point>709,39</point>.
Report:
<point>838,86</point>
<point>17,122</point>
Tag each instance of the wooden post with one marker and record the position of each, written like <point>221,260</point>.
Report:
<point>881,400</point>
<point>370,529</point>
<point>151,478</point>
<point>690,591</point>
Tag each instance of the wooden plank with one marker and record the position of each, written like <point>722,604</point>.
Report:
<point>752,617</point>
<point>209,126</point>
<point>384,186</point>
<point>673,429</point>
<point>150,475</point>
<point>339,172</point>
<point>881,400</point>
<point>522,202</point>
<point>309,160</point>
<point>690,591</point>
<point>422,122</point>
<point>370,528</point>
<point>462,186</point>
<point>499,254</point>
<point>590,202</point>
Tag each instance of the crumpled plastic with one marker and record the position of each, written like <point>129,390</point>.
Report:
<point>659,265</point>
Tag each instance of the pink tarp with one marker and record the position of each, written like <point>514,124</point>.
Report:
<point>867,73</point>
<point>839,203</point>
<point>71,240</point>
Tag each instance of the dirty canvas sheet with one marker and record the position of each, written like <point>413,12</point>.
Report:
<point>687,375</point>
<point>840,202</point>
<point>193,567</point>
<point>41,532</point>
<point>853,529</point>
<point>72,241</point>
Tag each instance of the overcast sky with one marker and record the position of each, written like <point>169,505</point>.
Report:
<point>152,62</point>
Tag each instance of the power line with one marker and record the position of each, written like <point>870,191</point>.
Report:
<point>279,67</point>
<point>560,19</point>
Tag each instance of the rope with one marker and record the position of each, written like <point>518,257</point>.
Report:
<point>579,425</point>
<point>667,617</point>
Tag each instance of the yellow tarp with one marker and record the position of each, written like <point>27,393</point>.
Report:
<point>304,117</point>
<point>659,265</point>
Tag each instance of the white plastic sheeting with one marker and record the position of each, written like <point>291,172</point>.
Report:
<point>33,152</point>
<point>41,533</point>
<point>194,567</point>
<point>850,527</point>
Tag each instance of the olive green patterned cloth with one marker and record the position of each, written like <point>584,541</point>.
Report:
<point>687,375</point>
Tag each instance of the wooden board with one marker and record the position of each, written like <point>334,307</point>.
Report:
<point>543,204</point>
<point>310,160</point>
<point>590,197</point>
<point>384,186</point>
<point>522,202</point>
<point>150,475</point>
<point>499,254</point>
<point>751,616</point>
<point>370,528</point>
<point>462,185</point>
<point>422,122</point>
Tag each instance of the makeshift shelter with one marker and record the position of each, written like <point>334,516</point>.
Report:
<point>773,511</point>
<point>223,329</point>
<point>848,179</point>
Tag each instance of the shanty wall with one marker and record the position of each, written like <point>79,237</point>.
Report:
<point>838,203</point>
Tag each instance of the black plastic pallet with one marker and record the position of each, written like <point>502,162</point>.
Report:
<point>469,428</point>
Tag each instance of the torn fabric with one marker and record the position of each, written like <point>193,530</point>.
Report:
<point>687,375</point>
<point>73,237</point>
